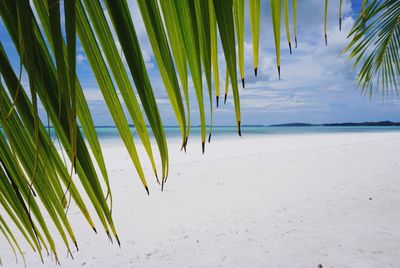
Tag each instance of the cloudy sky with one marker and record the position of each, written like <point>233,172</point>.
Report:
<point>317,82</point>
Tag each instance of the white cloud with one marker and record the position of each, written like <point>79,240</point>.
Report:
<point>80,58</point>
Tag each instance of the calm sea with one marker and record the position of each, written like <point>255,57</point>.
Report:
<point>110,134</point>
<point>106,133</point>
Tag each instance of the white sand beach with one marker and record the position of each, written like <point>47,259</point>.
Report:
<point>293,201</point>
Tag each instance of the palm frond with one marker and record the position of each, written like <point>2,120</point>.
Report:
<point>287,25</point>
<point>238,11</point>
<point>276,13</point>
<point>35,179</point>
<point>254,6</point>
<point>203,29</point>
<point>155,30</point>
<point>214,49</point>
<point>295,22</point>
<point>375,46</point>
<point>325,22</point>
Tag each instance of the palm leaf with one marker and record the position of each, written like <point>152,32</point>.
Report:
<point>340,14</point>
<point>325,22</point>
<point>223,12</point>
<point>287,26</point>
<point>295,22</point>
<point>375,46</point>
<point>255,30</point>
<point>185,11</point>
<point>238,11</point>
<point>226,84</point>
<point>204,32</point>
<point>115,63</point>
<point>214,49</point>
<point>123,25</point>
<point>83,111</point>
<point>50,102</point>
<point>176,40</point>
<point>155,30</point>
<point>70,29</point>
<point>276,7</point>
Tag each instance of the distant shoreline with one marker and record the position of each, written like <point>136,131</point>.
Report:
<point>345,124</point>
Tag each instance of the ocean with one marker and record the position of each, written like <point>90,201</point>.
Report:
<point>110,133</point>
<point>106,133</point>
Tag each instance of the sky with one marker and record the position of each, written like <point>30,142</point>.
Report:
<point>317,83</point>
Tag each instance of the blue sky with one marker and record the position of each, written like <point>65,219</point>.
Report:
<point>317,82</point>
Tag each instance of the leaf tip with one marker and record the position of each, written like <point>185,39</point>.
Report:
<point>186,141</point>
<point>279,72</point>
<point>155,173</point>
<point>255,71</point>
<point>243,82</point>
<point>217,99</point>
<point>109,236</point>
<point>118,241</point>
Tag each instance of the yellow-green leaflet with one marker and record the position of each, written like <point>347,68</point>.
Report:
<point>185,10</point>
<point>276,7</point>
<point>65,69</point>
<point>85,168</point>
<point>223,13</point>
<point>203,30</point>
<point>49,101</point>
<point>107,88</point>
<point>48,151</point>
<point>286,12</point>
<point>295,22</point>
<point>340,14</point>
<point>176,41</point>
<point>83,111</point>
<point>123,25</point>
<point>238,11</point>
<point>70,29</point>
<point>226,84</point>
<point>214,49</point>
<point>325,19</point>
<point>24,147</point>
<point>254,6</point>
<point>27,145</point>
<point>364,2</point>
<point>114,60</point>
<point>158,40</point>
<point>6,231</point>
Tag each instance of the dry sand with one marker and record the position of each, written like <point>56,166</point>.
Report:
<point>258,201</point>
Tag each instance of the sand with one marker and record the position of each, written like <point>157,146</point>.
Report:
<point>257,201</point>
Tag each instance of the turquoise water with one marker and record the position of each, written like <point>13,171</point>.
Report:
<point>111,132</point>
